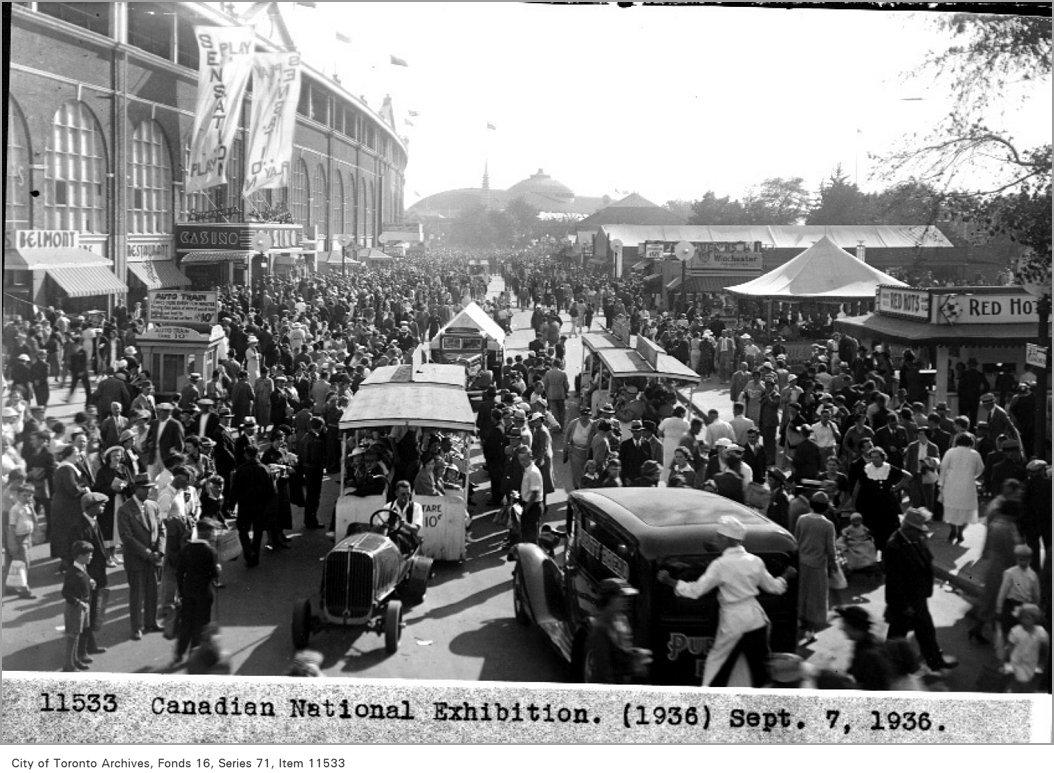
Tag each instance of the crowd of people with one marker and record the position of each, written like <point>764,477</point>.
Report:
<point>840,447</point>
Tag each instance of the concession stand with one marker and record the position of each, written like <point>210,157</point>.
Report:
<point>611,364</point>
<point>430,401</point>
<point>946,326</point>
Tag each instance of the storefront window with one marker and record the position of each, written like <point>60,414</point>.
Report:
<point>320,201</point>
<point>91,16</point>
<point>75,175</point>
<point>301,193</point>
<point>150,198</point>
<point>16,207</point>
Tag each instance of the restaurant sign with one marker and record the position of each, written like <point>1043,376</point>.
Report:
<point>903,302</point>
<point>183,307</point>
<point>976,309</point>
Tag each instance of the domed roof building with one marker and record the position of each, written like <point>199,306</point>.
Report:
<point>541,191</point>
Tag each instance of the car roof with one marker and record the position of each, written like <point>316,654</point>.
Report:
<point>669,522</point>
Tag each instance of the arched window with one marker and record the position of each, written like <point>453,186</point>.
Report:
<point>150,197</point>
<point>320,201</point>
<point>17,207</point>
<point>75,196</point>
<point>299,205</point>
<point>340,204</point>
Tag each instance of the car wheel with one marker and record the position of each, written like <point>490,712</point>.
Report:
<point>393,626</point>
<point>416,586</point>
<point>301,623</point>
<point>518,606</point>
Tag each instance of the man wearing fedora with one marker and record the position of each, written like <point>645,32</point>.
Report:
<point>143,537</point>
<point>87,530</point>
<point>908,565</point>
<point>633,452</point>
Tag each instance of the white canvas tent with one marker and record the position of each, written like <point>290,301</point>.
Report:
<point>472,317</point>
<point>823,272</point>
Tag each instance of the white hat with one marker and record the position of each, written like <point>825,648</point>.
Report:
<point>731,527</point>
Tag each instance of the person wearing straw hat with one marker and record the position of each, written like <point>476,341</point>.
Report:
<point>908,565</point>
<point>743,626</point>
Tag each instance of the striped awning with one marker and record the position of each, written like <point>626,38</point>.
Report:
<point>217,256</point>
<point>84,281</point>
<point>156,274</point>
<point>45,258</point>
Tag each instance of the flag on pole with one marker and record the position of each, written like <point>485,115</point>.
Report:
<point>341,38</point>
<point>397,61</point>
<point>276,92</point>
<point>226,58</point>
<point>492,127</point>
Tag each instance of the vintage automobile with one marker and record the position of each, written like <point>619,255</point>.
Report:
<point>632,533</point>
<point>366,579</point>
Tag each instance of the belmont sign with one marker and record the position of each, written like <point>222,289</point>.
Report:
<point>47,239</point>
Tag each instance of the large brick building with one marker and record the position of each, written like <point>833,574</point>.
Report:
<point>99,114</point>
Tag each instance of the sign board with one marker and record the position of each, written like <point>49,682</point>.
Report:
<point>236,236</point>
<point>903,302</point>
<point>183,307</point>
<point>442,526</point>
<point>649,350</point>
<point>709,257</point>
<point>976,309</point>
<point>1036,355</point>
<point>38,239</point>
<point>653,250</point>
<point>176,333</point>
<point>142,250</point>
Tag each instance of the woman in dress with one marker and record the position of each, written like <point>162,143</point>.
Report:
<point>109,481</point>
<point>835,483</point>
<point>682,465</point>
<point>262,390</point>
<point>279,462</point>
<point>877,496</point>
<point>816,557</point>
<point>70,485</point>
<point>960,470</point>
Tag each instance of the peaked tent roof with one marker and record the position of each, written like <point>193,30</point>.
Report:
<point>823,271</point>
<point>632,210</point>
<point>475,318</point>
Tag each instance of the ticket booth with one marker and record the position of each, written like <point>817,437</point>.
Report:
<point>182,336</point>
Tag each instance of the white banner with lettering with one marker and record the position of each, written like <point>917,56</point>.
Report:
<point>276,91</point>
<point>226,56</point>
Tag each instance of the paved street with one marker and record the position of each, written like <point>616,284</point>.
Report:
<point>464,630</point>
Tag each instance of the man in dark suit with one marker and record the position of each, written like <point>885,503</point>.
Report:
<point>754,455</point>
<point>252,491</point>
<point>808,459</point>
<point>972,384</point>
<point>191,393</point>
<point>893,439</point>
<point>312,462</point>
<point>908,565</point>
<point>937,435</point>
<point>111,390</point>
<point>164,438</point>
<point>223,455</point>
<point>634,452</point>
<point>207,423</point>
<point>999,422</point>
<point>143,536</point>
<point>113,425</point>
<point>87,530</point>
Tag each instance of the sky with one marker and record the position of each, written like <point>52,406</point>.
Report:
<point>667,102</point>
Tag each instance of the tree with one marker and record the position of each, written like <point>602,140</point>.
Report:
<point>989,56</point>
<point>523,216</point>
<point>778,201</point>
<point>482,227</point>
<point>711,210</point>
<point>840,202</point>
<point>681,208</point>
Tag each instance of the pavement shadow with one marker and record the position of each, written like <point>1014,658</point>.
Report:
<point>496,665</point>
<point>475,599</point>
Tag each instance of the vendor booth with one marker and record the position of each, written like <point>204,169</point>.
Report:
<point>471,332</point>
<point>429,402</point>
<point>181,337</point>
<point>947,327</point>
<point>608,364</point>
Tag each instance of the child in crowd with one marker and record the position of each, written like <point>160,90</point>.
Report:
<point>77,588</point>
<point>22,522</point>
<point>1027,645</point>
<point>590,478</point>
<point>1020,586</point>
<point>857,545</point>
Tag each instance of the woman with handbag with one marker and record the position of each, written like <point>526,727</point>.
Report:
<point>817,560</point>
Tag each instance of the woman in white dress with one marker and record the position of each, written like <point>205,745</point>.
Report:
<point>961,468</point>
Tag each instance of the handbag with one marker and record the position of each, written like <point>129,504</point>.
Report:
<point>17,575</point>
<point>836,578</point>
<point>228,545</point>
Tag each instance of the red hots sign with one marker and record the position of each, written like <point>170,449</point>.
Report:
<point>236,236</point>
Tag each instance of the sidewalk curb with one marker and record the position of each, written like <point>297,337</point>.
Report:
<point>967,585</point>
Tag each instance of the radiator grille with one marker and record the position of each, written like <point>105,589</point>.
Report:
<point>349,584</point>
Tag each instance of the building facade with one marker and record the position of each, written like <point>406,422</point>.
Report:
<point>100,112</point>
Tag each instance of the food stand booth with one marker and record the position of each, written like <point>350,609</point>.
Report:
<point>946,326</point>
<point>610,364</point>
<point>425,399</point>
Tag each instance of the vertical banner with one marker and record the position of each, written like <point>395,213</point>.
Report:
<point>226,61</point>
<point>276,91</point>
